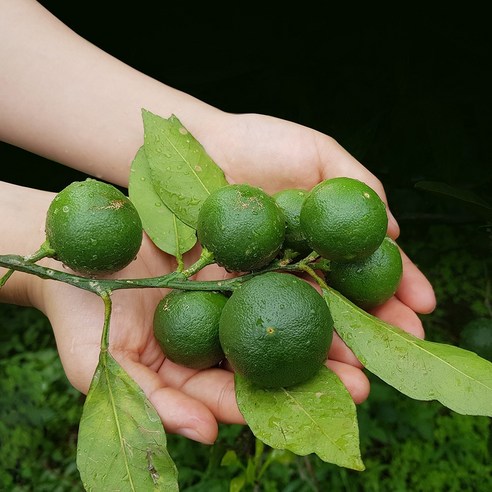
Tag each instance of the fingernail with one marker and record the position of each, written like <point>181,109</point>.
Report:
<point>194,435</point>
<point>393,224</point>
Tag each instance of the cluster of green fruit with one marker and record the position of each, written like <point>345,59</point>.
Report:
<point>275,328</point>
<point>342,219</point>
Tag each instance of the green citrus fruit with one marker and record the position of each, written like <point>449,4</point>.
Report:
<point>93,227</point>
<point>242,226</point>
<point>186,326</point>
<point>290,201</point>
<point>276,330</point>
<point>477,337</point>
<point>343,219</point>
<point>371,281</point>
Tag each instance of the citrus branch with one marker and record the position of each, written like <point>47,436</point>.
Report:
<point>173,280</point>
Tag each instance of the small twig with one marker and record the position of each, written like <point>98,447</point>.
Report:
<point>44,251</point>
<point>106,297</point>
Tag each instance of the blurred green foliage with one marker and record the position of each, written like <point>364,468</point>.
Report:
<point>405,444</point>
<point>39,409</point>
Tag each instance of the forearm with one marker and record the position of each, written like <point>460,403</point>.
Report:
<point>65,99</point>
<point>23,212</point>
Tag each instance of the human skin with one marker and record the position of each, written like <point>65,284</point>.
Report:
<point>65,99</point>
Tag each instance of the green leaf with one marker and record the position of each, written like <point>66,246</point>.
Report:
<point>230,459</point>
<point>468,197</point>
<point>122,443</point>
<point>318,416</point>
<point>182,172</point>
<point>420,369</point>
<point>237,483</point>
<point>165,230</point>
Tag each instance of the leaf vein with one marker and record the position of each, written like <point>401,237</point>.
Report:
<point>187,162</point>
<point>405,337</point>
<point>309,416</point>
<point>117,422</point>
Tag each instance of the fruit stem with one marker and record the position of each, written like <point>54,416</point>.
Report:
<point>323,264</point>
<point>44,251</point>
<point>6,276</point>
<point>309,270</point>
<point>206,258</point>
<point>313,256</point>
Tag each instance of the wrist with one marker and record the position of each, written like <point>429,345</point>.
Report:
<point>22,233</point>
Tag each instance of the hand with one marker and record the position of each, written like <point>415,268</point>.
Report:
<point>260,150</point>
<point>189,402</point>
<point>263,151</point>
<point>276,154</point>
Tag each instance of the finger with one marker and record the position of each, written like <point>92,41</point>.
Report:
<point>352,378</point>
<point>341,353</point>
<point>184,415</point>
<point>399,314</point>
<point>393,230</point>
<point>180,413</point>
<point>415,290</point>
<point>213,387</point>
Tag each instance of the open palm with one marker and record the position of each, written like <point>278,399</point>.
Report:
<point>262,151</point>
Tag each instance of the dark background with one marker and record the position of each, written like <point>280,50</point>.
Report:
<point>406,93</point>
